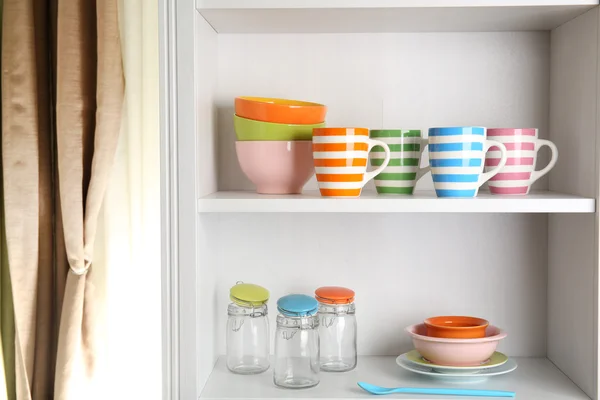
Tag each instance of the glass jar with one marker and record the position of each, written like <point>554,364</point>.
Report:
<point>248,343</point>
<point>337,328</point>
<point>297,343</point>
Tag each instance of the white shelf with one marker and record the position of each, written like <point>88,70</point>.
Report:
<point>534,379</point>
<point>325,16</point>
<point>420,202</point>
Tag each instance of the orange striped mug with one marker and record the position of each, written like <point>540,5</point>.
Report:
<point>340,156</point>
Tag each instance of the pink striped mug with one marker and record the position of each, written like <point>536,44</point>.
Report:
<point>519,173</point>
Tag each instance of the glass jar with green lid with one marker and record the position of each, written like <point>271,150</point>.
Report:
<point>248,343</point>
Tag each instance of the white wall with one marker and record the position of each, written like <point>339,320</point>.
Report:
<point>396,80</point>
<point>403,268</point>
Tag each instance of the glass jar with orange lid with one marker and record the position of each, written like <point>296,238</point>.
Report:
<point>337,328</point>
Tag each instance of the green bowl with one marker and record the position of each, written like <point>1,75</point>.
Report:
<point>249,130</point>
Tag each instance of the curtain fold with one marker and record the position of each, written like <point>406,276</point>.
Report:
<point>42,384</point>
<point>7,321</point>
<point>88,109</point>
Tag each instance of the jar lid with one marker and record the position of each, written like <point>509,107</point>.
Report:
<point>297,305</point>
<point>248,295</point>
<point>334,295</point>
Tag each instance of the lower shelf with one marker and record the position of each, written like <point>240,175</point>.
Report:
<point>535,378</point>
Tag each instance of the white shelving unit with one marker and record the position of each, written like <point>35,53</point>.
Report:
<point>528,264</point>
<point>420,202</point>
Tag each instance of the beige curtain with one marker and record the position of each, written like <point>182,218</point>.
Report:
<point>54,180</point>
<point>27,170</point>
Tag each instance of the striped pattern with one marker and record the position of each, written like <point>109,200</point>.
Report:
<point>456,157</point>
<point>340,157</point>
<point>515,177</point>
<point>400,176</point>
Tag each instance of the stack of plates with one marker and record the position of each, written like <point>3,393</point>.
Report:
<point>498,364</point>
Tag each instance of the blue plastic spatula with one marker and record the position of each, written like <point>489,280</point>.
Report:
<point>448,392</point>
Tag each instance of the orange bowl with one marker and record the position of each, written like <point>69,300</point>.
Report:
<point>280,111</point>
<point>456,327</point>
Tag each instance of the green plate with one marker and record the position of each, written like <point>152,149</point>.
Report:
<point>495,360</point>
<point>249,130</point>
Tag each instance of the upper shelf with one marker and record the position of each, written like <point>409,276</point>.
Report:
<point>330,16</point>
<point>311,201</point>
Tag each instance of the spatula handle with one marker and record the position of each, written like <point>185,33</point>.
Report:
<point>457,392</point>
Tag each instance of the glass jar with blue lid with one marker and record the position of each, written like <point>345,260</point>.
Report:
<point>297,342</point>
<point>248,342</point>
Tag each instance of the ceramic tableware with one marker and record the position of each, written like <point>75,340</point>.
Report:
<point>282,111</point>
<point>455,352</point>
<point>456,157</point>
<point>414,357</point>
<point>276,167</point>
<point>519,173</point>
<point>373,389</point>
<point>457,327</point>
<point>403,170</point>
<point>340,156</point>
<point>250,130</point>
<point>505,368</point>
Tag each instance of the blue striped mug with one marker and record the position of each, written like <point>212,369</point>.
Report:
<point>457,157</point>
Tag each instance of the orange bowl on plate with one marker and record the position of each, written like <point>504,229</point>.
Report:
<point>455,352</point>
<point>456,327</point>
<point>281,111</point>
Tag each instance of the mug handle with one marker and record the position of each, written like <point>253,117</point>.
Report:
<point>422,171</point>
<point>488,175</point>
<point>370,175</point>
<point>539,143</point>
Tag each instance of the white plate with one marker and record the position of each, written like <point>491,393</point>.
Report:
<point>498,359</point>
<point>509,366</point>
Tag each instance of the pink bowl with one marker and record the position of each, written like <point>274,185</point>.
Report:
<point>277,167</point>
<point>455,352</point>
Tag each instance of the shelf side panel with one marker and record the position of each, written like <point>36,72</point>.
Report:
<point>202,308</point>
<point>195,79</point>
<point>572,244</point>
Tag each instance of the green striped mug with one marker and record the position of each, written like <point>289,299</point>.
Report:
<point>403,171</point>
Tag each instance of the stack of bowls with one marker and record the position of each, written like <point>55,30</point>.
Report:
<point>456,341</point>
<point>274,142</point>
